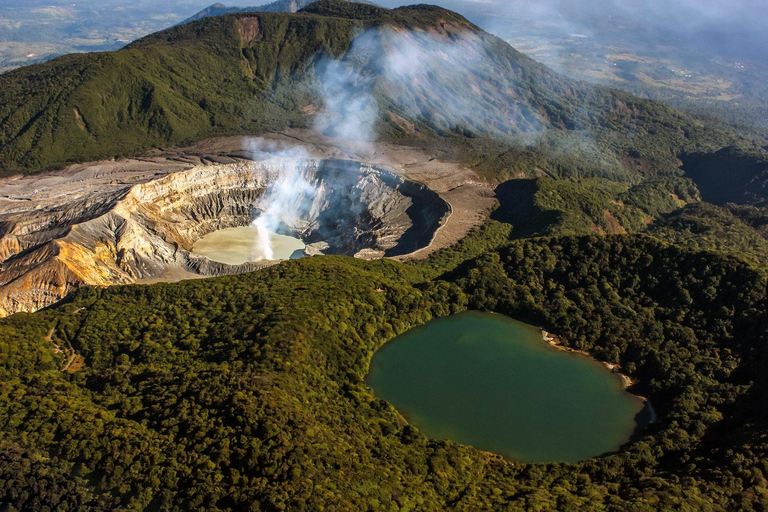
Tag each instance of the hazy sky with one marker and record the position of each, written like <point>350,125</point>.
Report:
<point>737,27</point>
<point>724,26</point>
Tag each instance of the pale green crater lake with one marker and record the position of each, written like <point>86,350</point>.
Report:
<point>235,246</point>
<point>491,382</point>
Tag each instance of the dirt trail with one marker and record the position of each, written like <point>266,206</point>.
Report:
<point>74,360</point>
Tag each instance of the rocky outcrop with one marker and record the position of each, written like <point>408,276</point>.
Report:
<point>146,231</point>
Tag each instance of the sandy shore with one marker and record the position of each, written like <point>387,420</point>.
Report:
<point>626,381</point>
<point>556,342</point>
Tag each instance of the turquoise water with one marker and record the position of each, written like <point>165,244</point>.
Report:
<point>491,382</point>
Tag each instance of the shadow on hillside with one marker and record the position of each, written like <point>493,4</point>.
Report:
<point>730,175</point>
<point>517,207</point>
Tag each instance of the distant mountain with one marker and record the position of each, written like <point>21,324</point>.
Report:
<point>469,94</point>
<point>219,9</point>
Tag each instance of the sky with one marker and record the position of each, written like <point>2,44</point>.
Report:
<point>734,27</point>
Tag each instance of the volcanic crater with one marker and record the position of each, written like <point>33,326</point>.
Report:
<point>145,231</point>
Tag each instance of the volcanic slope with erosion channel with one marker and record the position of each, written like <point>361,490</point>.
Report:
<point>137,220</point>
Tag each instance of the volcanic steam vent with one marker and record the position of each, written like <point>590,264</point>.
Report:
<point>146,231</point>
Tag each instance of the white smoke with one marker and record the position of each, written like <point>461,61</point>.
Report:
<point>262,244</point>
<point>441,70</point>
<point>349,108</point>
<point>425,74</point>
<point>287,194</point>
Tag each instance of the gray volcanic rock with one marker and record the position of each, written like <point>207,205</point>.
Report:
<point>145,231</point>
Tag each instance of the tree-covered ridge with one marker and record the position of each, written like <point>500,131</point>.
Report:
<point>668,208</point>
<point>157,91</point>
<point>246,392</point>
<point>546,206</point>
<point>251,72</point>
<point>725,230</point>
<point>731,175</point>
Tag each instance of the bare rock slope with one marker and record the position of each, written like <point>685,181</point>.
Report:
<point>55,240</point>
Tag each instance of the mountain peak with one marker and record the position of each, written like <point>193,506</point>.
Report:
<point>288,6</point>
<point>225,67</point>
<point>344,9</point>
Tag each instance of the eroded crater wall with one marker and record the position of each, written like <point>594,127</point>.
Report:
<point>147,230</point>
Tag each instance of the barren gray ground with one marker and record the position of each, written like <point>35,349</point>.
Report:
<point>134,220</point>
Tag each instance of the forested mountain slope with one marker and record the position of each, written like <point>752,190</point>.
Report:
<point>246,73</point>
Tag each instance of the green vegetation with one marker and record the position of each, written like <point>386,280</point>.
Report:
<point>731,175</point>
<point>668,208</point>
<point>158,91</point>
<point>246,392</point>
<point>547,206</point>
<point>704,226</point>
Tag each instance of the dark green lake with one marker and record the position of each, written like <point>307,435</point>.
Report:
<point>491,382</point>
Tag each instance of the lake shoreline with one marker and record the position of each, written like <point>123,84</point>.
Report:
<point>502,373</point>
<point>627,382</point>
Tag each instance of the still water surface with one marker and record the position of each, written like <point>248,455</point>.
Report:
<point>234,246</point>
<point>492,382</point>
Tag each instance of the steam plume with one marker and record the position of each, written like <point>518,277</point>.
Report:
<point>350,110</point>
<point>426,73</point>
<point>286,197</point>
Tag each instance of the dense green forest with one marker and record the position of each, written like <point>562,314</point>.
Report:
<point>726,230</point>
<point>247,393</point>
<point>633,231</point>
<point>668,208</point>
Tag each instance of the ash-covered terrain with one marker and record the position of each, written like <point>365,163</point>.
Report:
<point>137,220</point>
